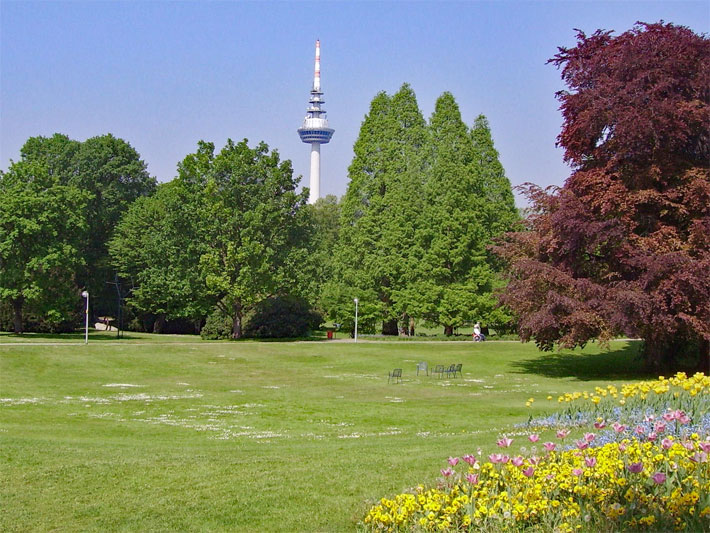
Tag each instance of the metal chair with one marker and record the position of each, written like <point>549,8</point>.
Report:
<point>396,374</point>
<point>439,369</point>
<point>423,366</point>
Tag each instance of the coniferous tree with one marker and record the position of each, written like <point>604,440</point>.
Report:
<point>380,208</point>
<point>455,280</point>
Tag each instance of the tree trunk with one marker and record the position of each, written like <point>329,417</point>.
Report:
<point>17,315</point>
<point>411,327</point>
<point>448,330</point>
<point>704,357</point>
<point>389,327</point>
<point>237,318</point>
<point>159,324</point>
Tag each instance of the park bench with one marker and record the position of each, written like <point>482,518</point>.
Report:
<point>423,366</point>
<point>396,374</point>
<point>450,370</point>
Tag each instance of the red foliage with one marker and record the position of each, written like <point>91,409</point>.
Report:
<point>624,246</point>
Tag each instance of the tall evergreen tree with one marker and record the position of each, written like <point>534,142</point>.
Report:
<point>495,188</point>
<point>455,279</point>
<point>380,208</point>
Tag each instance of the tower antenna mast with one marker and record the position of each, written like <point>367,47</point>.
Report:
<point>315,130</point>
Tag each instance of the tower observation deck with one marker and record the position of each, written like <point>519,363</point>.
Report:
<point>315,130</point>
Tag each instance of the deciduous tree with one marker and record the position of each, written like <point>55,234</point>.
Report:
<point>623,246</point>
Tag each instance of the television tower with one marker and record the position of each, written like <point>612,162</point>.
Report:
<point>315,130</point>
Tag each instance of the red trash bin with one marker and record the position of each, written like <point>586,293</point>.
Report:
<point>330,334</point>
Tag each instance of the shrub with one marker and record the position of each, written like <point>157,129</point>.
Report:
<point>217,326</point>
<point>282,317</point>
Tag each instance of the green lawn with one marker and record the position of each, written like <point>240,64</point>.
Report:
<point>168,433</point>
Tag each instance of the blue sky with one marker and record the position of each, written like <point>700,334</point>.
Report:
<point>163,75</point>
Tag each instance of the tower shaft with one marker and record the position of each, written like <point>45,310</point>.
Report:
<point>315,130</point>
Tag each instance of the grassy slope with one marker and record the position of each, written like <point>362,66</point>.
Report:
<point>252,436</point>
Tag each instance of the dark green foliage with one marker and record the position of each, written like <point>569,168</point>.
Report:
<point>282,316</point>
<point>218,326</point>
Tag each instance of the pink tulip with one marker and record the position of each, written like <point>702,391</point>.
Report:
<point>669,417</point>
<point>590,461</point>
<point>504,459</point>
<point>600,425</point>
<point>635,468</point>
<point>533,459</point>
<point>652,436</point>
<point>529,471</point>
<point>582,444</point>
<point>534,437</point>
<point>516,461</point>
<point>577,471</point>
<point>622,447</point>
<point>549,446</point>
<point>704,446</point>
<point>619,428</point>
<point>505,442</point>
<point>639,430</point>
<point>495,458</point>
<point>659,478</point>
<point>666,443</point>
<point>472,478</point>
<point>688,445</point>
<point>447,472</point>
<point>470,459</point>
<point>659,427</point>
<point>453,461</point>
<point>589,437</point>
<point>699,457</point>
<point>562,433</point>
<point>684,419</point>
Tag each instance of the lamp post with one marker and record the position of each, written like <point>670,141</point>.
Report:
<point>85,294</point>
<point>355,300</point>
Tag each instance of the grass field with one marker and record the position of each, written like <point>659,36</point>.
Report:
<point>169,433</point>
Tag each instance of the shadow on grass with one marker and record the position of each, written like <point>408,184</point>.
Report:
<point>79,336</point>
<point>623,363</point>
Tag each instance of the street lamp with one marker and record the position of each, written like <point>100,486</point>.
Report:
<point>355,300</point>
<point>85,294</point>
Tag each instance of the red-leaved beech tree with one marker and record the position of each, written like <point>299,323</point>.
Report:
<point>624,245</point>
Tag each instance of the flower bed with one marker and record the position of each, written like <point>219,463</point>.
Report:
<point>647,474</point>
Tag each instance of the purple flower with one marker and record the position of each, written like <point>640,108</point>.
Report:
<point>699,457</point>
<point>659,478</point>
<point>446,472</point>
<point>470,459</point>
<point>529,471</point>
<point>472,478</point>
<point>453,461</point>
<point>505,442</point>
<point>635,468</point>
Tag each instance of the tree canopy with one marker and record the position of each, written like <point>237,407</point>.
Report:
<point>623,246</point>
